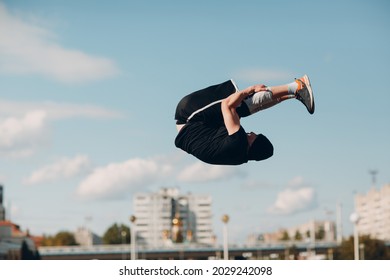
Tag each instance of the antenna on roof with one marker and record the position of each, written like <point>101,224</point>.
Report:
<point>373,174</point>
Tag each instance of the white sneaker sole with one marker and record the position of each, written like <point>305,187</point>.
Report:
<point>306,80</point>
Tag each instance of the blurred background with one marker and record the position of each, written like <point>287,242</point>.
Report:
<point>87,97</point>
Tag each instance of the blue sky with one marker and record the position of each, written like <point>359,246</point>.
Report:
<point>88,91</point>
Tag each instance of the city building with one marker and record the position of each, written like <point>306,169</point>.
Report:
<point>312,231</point>
<point>373,210</point>
<point>14,243</point>
<point>167,217</point>
<point>85,237</point>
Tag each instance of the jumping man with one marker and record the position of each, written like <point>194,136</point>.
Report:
<point>208,120</point>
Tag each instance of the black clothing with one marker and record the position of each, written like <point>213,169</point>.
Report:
<point>212,144</point>
<point>205,135</point>
<point>196,106</point>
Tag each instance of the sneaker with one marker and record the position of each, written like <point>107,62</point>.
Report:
<point>305,94</point>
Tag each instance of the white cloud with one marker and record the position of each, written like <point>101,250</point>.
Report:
<point>22,135</point>
<point>297,181</point>
<point>262,75</point>
<point>290,201</point>
<point>65,168</point>
<point>119,179</point>
<point>24,126</point>
<point>200,172</point>
<point>26,48</point>
<point>55,111</point>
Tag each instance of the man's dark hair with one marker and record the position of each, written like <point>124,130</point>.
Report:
<point>260,149</point>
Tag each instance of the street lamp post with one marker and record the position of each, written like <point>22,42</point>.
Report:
<point>225,220</point>
<point>133,237</point>
<point>355,219</point>
<point>123,233</point>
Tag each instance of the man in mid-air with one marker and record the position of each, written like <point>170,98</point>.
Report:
<point>208,120</point>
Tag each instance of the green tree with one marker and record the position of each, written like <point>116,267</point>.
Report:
<point>117,234</point>
<point>320,234</point>
<point>285,236</point>
<point>298,235</point>
<point>47,241</point>
<point>65,238</point>
<point>374,249</point>
<point>62,238</point>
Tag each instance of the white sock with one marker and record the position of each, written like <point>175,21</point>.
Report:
<point>262,97</point>
<point>292,88</point>
<point>259,101</point>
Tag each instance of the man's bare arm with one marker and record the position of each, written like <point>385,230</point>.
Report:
<point>229,105</point>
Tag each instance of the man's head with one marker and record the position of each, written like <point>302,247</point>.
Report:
<point>260,147</point>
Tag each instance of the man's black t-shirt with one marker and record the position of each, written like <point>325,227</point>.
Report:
<point>212,144</point>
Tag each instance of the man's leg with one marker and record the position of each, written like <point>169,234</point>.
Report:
<point>265,99</point>
<point>299,89</point>
<point>192,105</point>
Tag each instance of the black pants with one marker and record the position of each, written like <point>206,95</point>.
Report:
<point>205,104</point>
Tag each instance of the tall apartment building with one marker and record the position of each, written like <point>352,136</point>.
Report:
<point>373,209</point>
<point>2,208</point>
<point>167,217</point>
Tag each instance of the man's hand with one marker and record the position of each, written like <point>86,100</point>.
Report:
<point>229,104</point>
<point>259,87</point>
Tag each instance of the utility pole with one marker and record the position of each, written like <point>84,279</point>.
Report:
<point>339,223</point>
<point>133,234</point>
<point>225,220</point>
<point>373,175</point>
